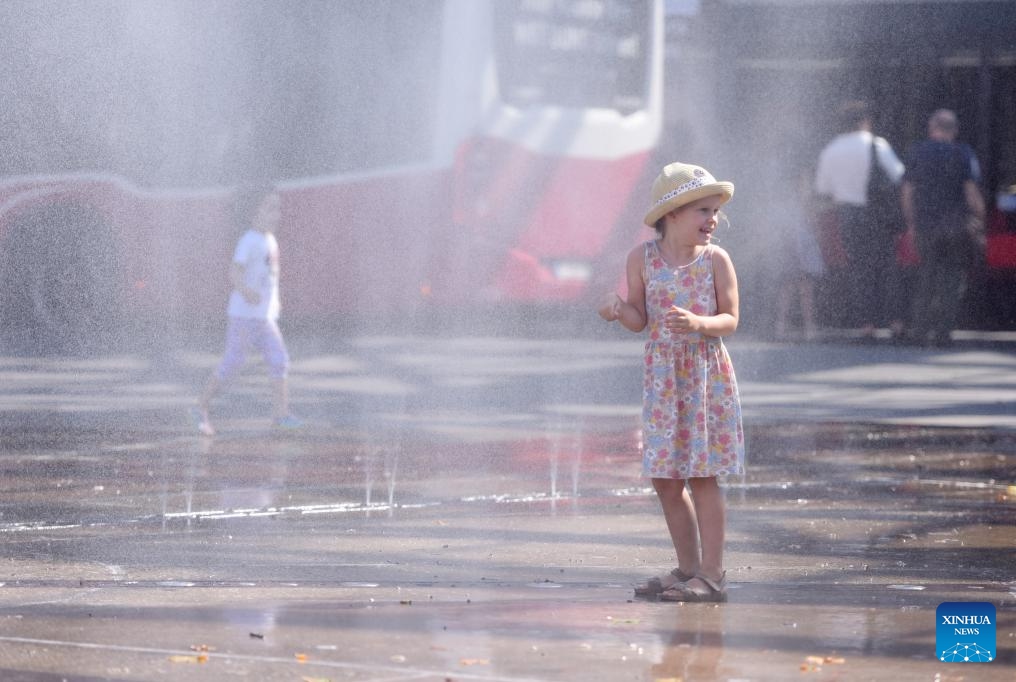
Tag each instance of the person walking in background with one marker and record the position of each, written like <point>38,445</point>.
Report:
<point>842,176</point>
<point>944,213</point>
<point>797,258</point>
<point>684,289</point>
<point>253,309</point>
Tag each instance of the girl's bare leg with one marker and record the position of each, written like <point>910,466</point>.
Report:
<point>200,413</point>
<point>680,514</point>
<point>212,388</point>
<point>710,509</point>
<point>280,398</point>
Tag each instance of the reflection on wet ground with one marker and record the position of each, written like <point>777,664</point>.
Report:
<point>472,510</point>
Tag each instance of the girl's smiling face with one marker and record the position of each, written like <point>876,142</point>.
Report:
<point>694,223</point>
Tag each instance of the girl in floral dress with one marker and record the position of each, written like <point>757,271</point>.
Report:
<point>684,289</point>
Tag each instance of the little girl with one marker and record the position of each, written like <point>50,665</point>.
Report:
<point>684,289</point>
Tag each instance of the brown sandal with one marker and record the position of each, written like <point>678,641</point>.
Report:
<point>654,586</point>
<point>715,590</point>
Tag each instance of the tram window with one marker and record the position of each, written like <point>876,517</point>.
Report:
<point>573,53</point>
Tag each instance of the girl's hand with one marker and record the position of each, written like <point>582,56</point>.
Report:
<point>680,320</point>
<point>250,295</point>
<point>610,309</point>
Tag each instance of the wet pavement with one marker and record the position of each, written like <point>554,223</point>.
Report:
<point>470,508</point>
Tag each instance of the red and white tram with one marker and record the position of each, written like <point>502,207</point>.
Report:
<point>432,153</point>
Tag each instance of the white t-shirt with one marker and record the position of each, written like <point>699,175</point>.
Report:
<point>843,167</point>
<point>258,254</point>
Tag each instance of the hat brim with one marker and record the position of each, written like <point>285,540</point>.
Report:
<point>724,189</point>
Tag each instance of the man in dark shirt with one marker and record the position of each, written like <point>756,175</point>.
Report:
<point>940,197</point>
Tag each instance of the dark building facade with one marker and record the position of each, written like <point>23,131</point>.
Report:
<point>769,76</point>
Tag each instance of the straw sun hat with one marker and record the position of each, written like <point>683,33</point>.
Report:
<point>682,183</point>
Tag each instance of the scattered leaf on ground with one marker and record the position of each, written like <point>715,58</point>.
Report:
<point>188,659</point>
<point>815,663</point>
<point>474,661</point>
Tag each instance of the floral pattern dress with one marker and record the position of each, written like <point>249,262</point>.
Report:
<point>691,419</point>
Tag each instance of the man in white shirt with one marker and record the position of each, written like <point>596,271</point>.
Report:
<point>842,179</point>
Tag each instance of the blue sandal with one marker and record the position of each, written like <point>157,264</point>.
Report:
<point>201,424</point>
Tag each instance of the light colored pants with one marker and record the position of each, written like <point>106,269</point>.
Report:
<point>244,335</point>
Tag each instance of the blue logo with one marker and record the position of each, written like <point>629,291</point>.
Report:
<point>965,632</point>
